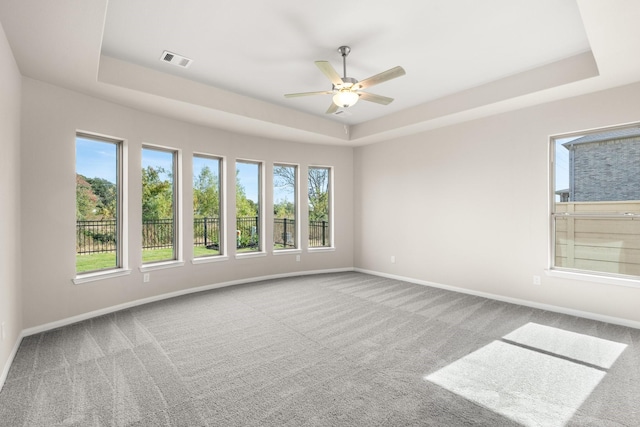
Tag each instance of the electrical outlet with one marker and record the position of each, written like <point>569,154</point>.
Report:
<point>146,277</point>
<point>536,280</point>
<point>297,258</point>
<point>393,259</point>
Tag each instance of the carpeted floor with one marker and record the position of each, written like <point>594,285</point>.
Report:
<point>342,349</point>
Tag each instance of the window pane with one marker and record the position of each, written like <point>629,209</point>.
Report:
<point>158,205</point>
<point>598,167</point>
<point>97,200</point>
<point>319,207</point>
<point>597,202</point>
<point>206,206</point>
<point>561,185</point>
<point>603,245</point>
<point>248,208</point>
<point>285,181</point>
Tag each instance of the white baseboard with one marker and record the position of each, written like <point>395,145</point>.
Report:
<point>123,306</point>
<point>526,303</point>
<point>12,355</point>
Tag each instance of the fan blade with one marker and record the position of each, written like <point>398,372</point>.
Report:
<point>378,99</point>
<point>331,73</point>
<point>380,78</point>
<point>293,95</point>
<point>332,108</point>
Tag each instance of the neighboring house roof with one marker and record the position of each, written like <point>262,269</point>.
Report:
<point>606,136</point>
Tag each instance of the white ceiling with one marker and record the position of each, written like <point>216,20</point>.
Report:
<point>464,59</point>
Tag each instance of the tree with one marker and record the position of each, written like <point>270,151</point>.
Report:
<point>318,194</point>
<point>86,200</point>
<point>157,194</point>
<point>244,206</point>
<point>106,193</point>
<point>318,189</point>
<point>284,209</point>
<point>284,178</point>
<point>206,198</point>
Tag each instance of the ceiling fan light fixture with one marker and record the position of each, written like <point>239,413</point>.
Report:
<point>346,90</point>
<point>345,98</point>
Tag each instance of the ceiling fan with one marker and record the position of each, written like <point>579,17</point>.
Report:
<point>346,90</point>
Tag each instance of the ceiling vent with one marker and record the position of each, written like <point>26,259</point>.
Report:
<point>175,59</point>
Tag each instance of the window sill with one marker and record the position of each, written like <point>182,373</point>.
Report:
<point>208,259</point>
<point>251,255</point>
<point>161,265</point>
<point>594,278</point>
<point>99,275</point>
<point>322,249</point>
<point>286,252</point>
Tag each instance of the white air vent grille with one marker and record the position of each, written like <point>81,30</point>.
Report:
<point>175,59</point>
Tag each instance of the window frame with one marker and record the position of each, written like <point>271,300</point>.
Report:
<point>261,208</point>
<point>578,273</point>
<point>178,250</point>
<point>122,209</point>
<point>222,229</point>
<point>330,208</point>
<point>296,195</point>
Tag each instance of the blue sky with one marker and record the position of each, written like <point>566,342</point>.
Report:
<point>200,162</point>
<point>96,159</point>
<point>281,194</point>
<point>247,175</point>
<point>562,163</point>
<point>158,158</point>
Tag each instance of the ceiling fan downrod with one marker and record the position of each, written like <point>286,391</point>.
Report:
<point>344,51</point>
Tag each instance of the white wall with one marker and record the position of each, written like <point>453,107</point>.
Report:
<point>464,206</point>
<point>51,116</point>
<point>10,292</point>
<point>467,205</point>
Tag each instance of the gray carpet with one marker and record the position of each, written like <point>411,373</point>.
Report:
<point>343,349</point>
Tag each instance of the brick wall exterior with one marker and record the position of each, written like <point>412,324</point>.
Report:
<point>606,170</point>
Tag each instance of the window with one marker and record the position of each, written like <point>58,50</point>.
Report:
<point>248,206</point>
<point>285,210</point>
<point>596,202</point>
<point>159,205</point>
<point>206,206</point>
<point>319,207</point>
<point>99,234</point>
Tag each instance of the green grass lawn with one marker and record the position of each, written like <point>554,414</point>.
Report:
<point>92,262</point>
<point>101,261</point>
<point>199,251</point>
<point>156,255</point>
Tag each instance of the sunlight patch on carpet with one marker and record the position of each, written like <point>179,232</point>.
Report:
<point>528,385</point>
<point>580,347</point>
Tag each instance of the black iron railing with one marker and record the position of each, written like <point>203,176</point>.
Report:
<point>95,236</point>
<point>248,232</point>
<point>319,234</point>
<point>284,232</point>
<point>157,233</point>
<point>206,232</point>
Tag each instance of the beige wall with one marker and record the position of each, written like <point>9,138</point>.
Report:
<point>467,205</point>
<point>464,206</point>
<point>10,291</point>
<point>51,116</point>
